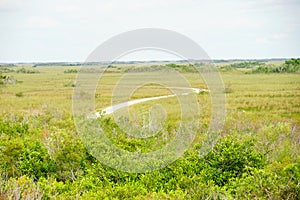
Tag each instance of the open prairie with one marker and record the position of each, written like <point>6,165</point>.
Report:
<point>43,156</point>
<point>273,96</point>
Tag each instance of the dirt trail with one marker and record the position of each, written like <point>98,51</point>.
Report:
<point>113,108</point>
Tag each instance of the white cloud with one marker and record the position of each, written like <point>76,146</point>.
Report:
<point>10,4</point>
<point>279,36</point>
<point>68,8</point>
<point>41,22</point>
<point>136,5</point>
<point>271,38</point>
<point>262,40</point>
<point>116,7</point>
<point>242,22</point>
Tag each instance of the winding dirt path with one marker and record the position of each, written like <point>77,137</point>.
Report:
<point>112,109</point>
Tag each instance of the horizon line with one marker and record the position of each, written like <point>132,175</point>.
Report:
<point>149,61</point>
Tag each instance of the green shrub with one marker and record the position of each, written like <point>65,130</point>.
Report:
<point>277,142</point>
<point>289,66</point>
<point>10,150</point>
<point>19,94</point>
<point>68,153</point>
<point>291,181</point>
<point>208,190</point>
<point>27,71</point>
<point>35,161</point>
<point>54,164</point>
<point>230,159</point>
<point>267,184</point>
<point>14,128</point>
<point>20,188</point>
<point>71,71</point>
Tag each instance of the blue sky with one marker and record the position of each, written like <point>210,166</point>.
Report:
<point>65,30</point>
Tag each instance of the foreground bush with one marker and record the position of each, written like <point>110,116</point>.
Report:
<point>50,162</point>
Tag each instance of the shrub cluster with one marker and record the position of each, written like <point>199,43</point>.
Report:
<point>26,71</point>
<point>71,71</point>
<point>46,162</point>
<point>289,66</point>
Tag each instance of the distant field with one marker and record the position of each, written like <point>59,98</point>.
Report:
<point>276,96</point>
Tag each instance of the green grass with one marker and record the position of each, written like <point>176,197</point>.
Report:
<point>256,157</point>
<point>272,95</point>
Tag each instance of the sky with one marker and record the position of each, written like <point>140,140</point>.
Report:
<point>69,30</point>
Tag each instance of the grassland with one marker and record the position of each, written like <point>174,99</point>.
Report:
<point>265,95</point>
<point>256,157</point>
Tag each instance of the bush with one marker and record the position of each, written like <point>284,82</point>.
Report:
<point>289,66</point>
<point>27,71</point>
<point>246,64</point>
<point>70,71</point>
<point>5,69</point>
<point>68,153</point>
<point>4,79</point>
<point>35,161</point>
<point>71,84</point>
<point>14,128</point>
<point>230,159</point>
<point>19,94</point>
<point>10,150</point>
<point>20,188</point>
<point>54,164</point>
<point>292,65</point>
<point>268,184</point>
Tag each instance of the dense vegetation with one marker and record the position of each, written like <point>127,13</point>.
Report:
<point>50,162</point>
<point>156,67</point>
<point>256,157</point>
<point>71,71</point>
<point>289,66</point>
<point>20,70</point>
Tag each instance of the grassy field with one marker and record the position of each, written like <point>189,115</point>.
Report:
<point>275,96</point>
<point>258,151</point>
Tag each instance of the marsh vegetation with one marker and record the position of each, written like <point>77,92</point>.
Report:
<point>256,157</point>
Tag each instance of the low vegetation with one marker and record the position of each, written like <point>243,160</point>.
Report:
<point>27,71</point>
<point>6,79</point>
<point>70,71</point>
<point>257,155</point>
<point>289,66</point>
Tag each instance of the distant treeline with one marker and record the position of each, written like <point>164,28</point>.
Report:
<point>21,70</point>
<point>171,66</point>
<point>56,64</point>
<point>65,64</point>
<point>7,65</point>
<point>241,65</point>
<point>251,66</point>
<point>289,66</point>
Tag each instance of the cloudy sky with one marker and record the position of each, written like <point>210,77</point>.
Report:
<point>68,30</point>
